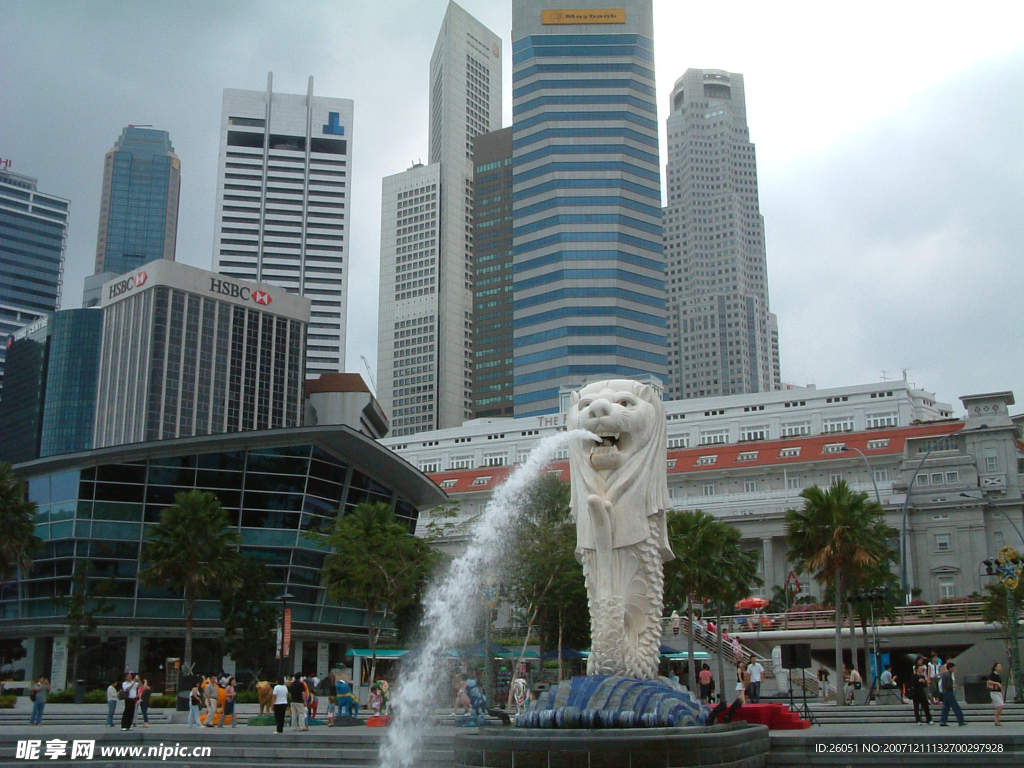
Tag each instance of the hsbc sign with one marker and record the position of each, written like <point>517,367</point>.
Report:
<point>236,291</point>
<point>128,284</point>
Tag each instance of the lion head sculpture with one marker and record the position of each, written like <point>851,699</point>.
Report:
<point>627,468</point>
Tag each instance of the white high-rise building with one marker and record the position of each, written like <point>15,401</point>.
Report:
<point>283,205</point>
<point>426,278</point>
<point>723,339</point>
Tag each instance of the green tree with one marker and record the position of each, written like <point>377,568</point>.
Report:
<point>193,551</point>
<point>543,579</point>
<point>837,537</point>
<point>86,601</point>
<point>996,610</point>
<point>18,523</point>
<point>375,561</point>
<point>248,614</point>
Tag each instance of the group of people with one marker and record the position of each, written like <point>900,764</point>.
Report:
<point>134,691</point>
<point>207,692</point>
<point>748,680</point>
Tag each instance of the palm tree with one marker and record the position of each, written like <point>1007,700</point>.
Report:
<point>837,537</point>
<point>193,549</point>
<point>17,521</point>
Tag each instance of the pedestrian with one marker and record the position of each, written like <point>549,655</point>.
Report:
<point>211,694</point>
<point>374,700</point>
<point>144,693</point>
<point>111,703</point>
<point>298,701</point>
<point>130,692</point>
<point>947,688</point>
<point>195,700</point>
<point>918,689</point>
<point>935,671</point>
<point>705,679</point>
<point>229,704</point>
<point>852,682</point>
<point>38,697</point>
<point>312,701</point>
<point>996,690</point>
<point>823,676</point>
<point>756,671</point>
<point>742,681</point>
<point>330,711</point>
<point>280,703</point>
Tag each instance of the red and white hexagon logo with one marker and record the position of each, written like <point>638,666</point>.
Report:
<point>261,297</point>
<point>139,279</point>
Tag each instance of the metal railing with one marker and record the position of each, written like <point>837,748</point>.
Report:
<point>905,615</point>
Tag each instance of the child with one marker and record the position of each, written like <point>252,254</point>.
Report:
<point>330,711</point>
<point>375,699</point>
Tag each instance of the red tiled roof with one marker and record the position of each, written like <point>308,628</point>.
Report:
<point>767,453</point>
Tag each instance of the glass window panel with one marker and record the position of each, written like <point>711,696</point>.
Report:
<point>324,489</point>
<point>302,576</point>
<point>211,478</point>
<point>330,472</point>
<point>64,486</point>
<point>279,461</point>
<point>288,502</point>
<point>232,460</point>
<point>187,461</point>
<point>109,510</point>
<point>270,556</point>
<point>180,476</point>
<point>122,550</point>
<point>122,473</point>
<point>308,559</point>
<point>86,489</point>
<point>62,530</point>
<point>153,512</point>
<point>301,612</point>
<point>316,523</point>
<point>255,481</point>
<point>158,609</point>
<point>123,531</point>
<point>160,494</point>
<point>302,594</point>
<point>317,506</point>
<point>89,473</point>
<point>118,492</point>
<point>39,490</point>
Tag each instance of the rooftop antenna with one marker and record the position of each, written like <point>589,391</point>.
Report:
<point>885,375</point>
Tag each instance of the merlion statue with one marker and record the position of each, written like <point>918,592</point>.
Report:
<point>619,497</point>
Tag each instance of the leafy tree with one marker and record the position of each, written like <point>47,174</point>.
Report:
<point>375,561</point>
<point>192,550</point>
<point>248,614</point>
<point>544,580</point>
<point>18,524</point>
<point>81,607</point>
<point>11,650</point>
<point>996,610</point>
<point>838,537</point>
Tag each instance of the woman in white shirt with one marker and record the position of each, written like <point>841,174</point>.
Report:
<point>111,703</point>
<point>280,703</point>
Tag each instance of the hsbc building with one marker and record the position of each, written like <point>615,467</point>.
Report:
<point>189,352</point>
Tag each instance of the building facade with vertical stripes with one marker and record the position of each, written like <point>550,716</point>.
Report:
<point>188,352</point>
<point>587,237</point>
<point>283,202</point>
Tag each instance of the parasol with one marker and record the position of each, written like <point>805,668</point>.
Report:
<point>755,603</point>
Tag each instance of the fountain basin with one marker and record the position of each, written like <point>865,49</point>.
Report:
<point>735,745</point>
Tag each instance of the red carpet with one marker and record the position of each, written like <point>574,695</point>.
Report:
<point>777,717</point>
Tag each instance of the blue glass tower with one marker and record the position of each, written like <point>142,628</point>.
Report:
<point>33,232</point>
<point>139,206</point>
<point>587,237</point>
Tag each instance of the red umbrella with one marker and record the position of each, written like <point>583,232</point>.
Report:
<point>755,603</point>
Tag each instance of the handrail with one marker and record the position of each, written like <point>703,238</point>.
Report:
<point>904,615</point>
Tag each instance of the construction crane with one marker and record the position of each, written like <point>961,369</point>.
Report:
<point>369,373</point>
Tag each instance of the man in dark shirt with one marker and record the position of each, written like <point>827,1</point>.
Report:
<point>297,694</point>
<point>918,688</point>
<point>947,689</point>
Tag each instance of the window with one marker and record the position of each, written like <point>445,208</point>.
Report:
<point>936,478</point>
<point>562,454</point>
<point>793,483</point>
<point>943,542</point>
<point>833,448</point>
<point>447,484</point>
<point>495,460</point>
<point>991,461</point>
<point>483,480</point>
<point>880,475</point>
<point>838,424</point>
<point>679,442</point>
<point>716,437</point>
<point>922,479</point>
<point>747,456</point>
<point>753,433</point>
<point>946,588</point>
<point>749,486</point>
<point>522,455</point>
<point>835,477</point>
<point>876,420</point>
<point>703,461</point>
<point>671,463</point>
<point>952,477</point>
<point>709,489</point>
<point>789,453</point>
<point>462,462</point>
<point>796,429</point>
<point>429,467</point>
<point>874,445</point>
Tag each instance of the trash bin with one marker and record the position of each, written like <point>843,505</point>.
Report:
<point>976,690</point>
<point>79,691</point>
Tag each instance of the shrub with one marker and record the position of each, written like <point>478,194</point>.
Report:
<point>67,696</point>
<point>96,697</point>
<point>247,697</point>
<point>164,701</point>
<point>7,702</point>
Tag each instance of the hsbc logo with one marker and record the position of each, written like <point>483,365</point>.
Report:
<point>129,283</point>
<point>235,291</point>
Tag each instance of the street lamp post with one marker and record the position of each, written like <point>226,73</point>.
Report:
<point>284,598</point>
<point>1007,566</point>
<point>871,473</point>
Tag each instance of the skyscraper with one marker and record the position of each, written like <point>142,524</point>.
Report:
<point>33,233</point>
<point>139,204</point>
<point>723,340</point>
<point>283,205</point>
<point>433,238</point>
<point>492,274</point>
<point>589,266</point>
<point>189,352</point>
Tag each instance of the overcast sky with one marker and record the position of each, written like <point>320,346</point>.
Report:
<point>890,144</point>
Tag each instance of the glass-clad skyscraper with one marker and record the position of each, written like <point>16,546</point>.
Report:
<point>588,259</point>
<point>139,203</point>
<point>33,231</point>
